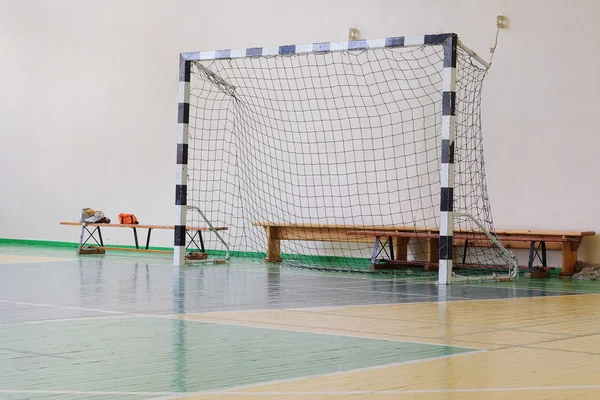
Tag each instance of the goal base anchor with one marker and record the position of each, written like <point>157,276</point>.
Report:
<point>91,250</point>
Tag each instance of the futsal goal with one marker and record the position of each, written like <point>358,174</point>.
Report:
<point>336,154</point>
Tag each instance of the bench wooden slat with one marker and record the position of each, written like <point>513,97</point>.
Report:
<point>544,233</point>
<point>500,232</point>
<point>408,228</point>
<point>463,235</point>
<point>390,233</point>
<point>341,226</point>
<point>189,228</point>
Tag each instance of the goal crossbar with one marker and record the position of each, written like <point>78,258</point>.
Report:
<point>398,41</point>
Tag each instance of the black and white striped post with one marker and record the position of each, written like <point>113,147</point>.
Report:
<point>449,42</point>
<point>447,165</point>
<point>183,120</point>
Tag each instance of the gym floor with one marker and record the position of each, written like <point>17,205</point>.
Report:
<point>131,326</point>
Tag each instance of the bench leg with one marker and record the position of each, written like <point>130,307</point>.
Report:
<point>531,256</point>
<point>465,251</point>
<point>544,259</point>
<point>100,236</point>
<point>433,252</point>
<point>273,245</point>
<point>537,272</point>
<point>375,250</point>
<point>81,238</point>
<point>569,258</point>
<point>201,242</point>
<point>137,246</point>
<point>148,238</point>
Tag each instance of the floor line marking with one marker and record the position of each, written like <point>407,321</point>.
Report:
<point>77,319</point>
<point>183,318</point>
<point>465,300</point>
<point>236,389</point>
<point>65,307</point>
<point>119,313</point>
<point>176,395</point>
<point>305,309</point>
<point>412,303</point>
<point>23,303</point>
<point>93,309</point>
<point>83,392</point>
<point>225,322</point>
<point>35,353</point>
<point>432,323</point>
<point>382,392</point>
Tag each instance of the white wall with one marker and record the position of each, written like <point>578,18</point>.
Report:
<point>89,90</point>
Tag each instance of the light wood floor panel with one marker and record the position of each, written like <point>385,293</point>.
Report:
<point>584,325</point>
<point>524,350</point>
<point>568,394</point>
<point>507,338</point>
<point>507,369</point>
<point>482,324</point>
<point>584,344</point>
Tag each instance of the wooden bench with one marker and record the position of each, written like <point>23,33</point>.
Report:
<point>398,238</point>
<point>316,232</point>
<point>193,233</point>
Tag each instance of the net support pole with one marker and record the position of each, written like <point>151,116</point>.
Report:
<point>183,120</point>
<point>447,162</point>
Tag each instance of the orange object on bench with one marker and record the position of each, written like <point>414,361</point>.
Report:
<point>128,219</point>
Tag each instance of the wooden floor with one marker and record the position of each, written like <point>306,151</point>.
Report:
<point>124,326</point>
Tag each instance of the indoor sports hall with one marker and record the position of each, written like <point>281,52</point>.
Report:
<point>309,200</point>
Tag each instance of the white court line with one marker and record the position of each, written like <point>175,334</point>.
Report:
<point>315,308</point>
<point>64,307</point>
<point>179,395</point>
<point>412,303</point>
<point>183,318</point>
<point>115,313</point>
<point>83,392</point>
<point>383,392</point>
<point>421,360</point>
<point>77,319</point>
<point>246,325</point>
<point>93,310</point>
<point>235,389</point>
<point>23,303</point>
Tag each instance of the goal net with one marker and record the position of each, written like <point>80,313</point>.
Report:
<point>311,151</point>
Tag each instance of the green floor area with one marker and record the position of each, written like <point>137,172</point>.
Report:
<point>155,354</point>
<point>554,283</point>
<point>77,395</point>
